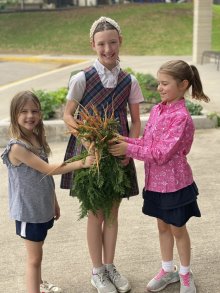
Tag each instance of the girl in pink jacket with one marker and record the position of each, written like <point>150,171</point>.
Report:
<point>170,194</point>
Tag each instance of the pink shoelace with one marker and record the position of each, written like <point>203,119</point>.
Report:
<point>160,274</point>
<point>185,279</point>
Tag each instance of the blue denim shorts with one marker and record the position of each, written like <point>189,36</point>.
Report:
<point>33,231</point>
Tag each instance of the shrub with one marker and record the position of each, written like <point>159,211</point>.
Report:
<point>148,86</point>
<point>194,109</point>
<point>51,101</point>
<point>216,116</point>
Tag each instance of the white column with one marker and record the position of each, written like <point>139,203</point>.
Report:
<point>87,2</point>
<point>202,28</point>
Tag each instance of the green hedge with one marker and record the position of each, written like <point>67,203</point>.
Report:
<point>51,101</point>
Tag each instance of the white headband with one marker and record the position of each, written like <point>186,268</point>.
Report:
<point>103,19</point>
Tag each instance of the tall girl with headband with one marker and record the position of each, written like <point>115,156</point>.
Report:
<point>32,199</point>
<point>104,85</point>
<point>170,193</point>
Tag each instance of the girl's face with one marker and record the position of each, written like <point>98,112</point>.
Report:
<point>29,116</point>
<point>106,44</point>
<point>170,91</point>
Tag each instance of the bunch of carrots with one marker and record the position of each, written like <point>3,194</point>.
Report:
<point>103,185</point>
<point>96,130</point>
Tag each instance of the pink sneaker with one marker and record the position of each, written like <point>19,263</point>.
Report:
<point>162,279</point>
<point>187,283</point>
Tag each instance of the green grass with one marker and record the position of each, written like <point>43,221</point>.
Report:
<point>216,28</point>
<point>148,29</point>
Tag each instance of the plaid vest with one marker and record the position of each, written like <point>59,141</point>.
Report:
<point>108,98</point>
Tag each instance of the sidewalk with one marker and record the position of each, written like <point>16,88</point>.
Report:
<point>66,260</point>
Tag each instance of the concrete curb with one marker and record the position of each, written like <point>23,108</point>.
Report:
<point>56,130</point>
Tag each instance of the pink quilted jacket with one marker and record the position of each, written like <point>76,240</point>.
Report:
<point>167,139</point>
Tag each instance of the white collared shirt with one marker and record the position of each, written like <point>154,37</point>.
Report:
<point>109,79</point>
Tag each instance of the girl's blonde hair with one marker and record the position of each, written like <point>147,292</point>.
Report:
<point>17,103</point>
<point>180,70</point>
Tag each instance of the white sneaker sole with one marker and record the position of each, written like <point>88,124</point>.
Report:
<point>124,290</point>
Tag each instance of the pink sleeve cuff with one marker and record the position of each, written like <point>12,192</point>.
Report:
<point>129,150</point>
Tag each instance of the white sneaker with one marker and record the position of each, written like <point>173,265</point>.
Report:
<point>120,282</point>
<point>102,283</point>
<point>47,287</point>
<point>162,279</point>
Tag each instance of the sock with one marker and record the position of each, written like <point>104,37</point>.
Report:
<point>167,266</point>
<point>109,267</point>
<point>184,270</point>
<point>98,270</point>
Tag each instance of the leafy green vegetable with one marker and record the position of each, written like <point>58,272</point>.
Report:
<point>100,189</point>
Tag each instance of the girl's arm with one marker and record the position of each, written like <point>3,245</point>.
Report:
<point>69,111</point>
<point>20,154</point>
<point>77,85</point>
<point>134,132</point>
<point>135,120</point>
<point>134,128</point>
<point>162,150</point>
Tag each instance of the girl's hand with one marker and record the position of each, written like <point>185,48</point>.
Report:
<point>116,139</point>
<point>118,149</point>
<point>120,137</point>
<point>89,161</point>
<point>73,128</point>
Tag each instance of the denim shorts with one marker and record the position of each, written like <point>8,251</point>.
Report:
<point>33,231</point>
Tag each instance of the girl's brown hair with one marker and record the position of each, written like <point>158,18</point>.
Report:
<point>17,103</point>
<point>180,70</point>
<point>103,24</point>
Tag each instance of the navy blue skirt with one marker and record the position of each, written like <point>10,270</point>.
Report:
<point>173,208</point>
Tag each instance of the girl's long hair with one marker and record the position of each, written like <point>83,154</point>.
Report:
<point>17,103</point>
<point>180,70</point>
